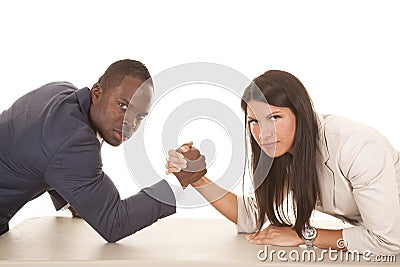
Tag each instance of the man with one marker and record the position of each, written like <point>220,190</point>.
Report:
<point>51,140</point>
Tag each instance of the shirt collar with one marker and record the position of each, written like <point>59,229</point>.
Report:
<point>101,140</point>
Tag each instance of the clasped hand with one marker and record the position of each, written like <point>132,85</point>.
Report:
<point>186,163</point>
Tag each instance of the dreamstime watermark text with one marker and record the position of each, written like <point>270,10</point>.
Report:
<point>313,255</point>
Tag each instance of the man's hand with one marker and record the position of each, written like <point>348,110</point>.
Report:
<point>73,212</point>
<point>186,163</point>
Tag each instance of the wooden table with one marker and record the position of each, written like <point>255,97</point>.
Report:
<point>64,241</point>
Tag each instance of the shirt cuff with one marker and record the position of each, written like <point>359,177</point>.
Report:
<point>66,207</point>
<point>247,215</point>
<point>176,187</point>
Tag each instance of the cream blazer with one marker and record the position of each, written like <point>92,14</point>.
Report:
<point>359,179</point>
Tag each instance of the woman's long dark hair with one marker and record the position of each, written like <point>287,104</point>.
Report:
<point>295,173</point>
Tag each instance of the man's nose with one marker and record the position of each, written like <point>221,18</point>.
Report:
<point>130,126</point>
<point>130,119</point>
<point>131,123</point>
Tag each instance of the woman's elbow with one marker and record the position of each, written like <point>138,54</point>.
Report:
<point>387,247</point>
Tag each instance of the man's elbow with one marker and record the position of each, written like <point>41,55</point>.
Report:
<point>113,239</point>
<point>112,236</point>
<point>117,234</point>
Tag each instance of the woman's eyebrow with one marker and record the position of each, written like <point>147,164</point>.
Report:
<point>273,113</point>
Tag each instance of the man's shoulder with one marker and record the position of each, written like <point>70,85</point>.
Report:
<point>61,85</point>
<point>54,88</point>
<point>64,116</point>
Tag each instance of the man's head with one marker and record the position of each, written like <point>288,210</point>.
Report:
<point>118,106</point>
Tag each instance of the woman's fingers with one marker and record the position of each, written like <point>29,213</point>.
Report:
<point>249,237</point>
<point>176,159</point>
<point>263,241</point>
<point>170,168</point>
<point>186,147</point>
<point>261,238</point>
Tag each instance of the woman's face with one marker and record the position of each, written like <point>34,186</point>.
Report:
<point>272,127</point>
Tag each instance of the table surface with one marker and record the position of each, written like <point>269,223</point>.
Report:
<point>62,241</point>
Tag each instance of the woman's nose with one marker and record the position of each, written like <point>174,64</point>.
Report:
<point>267,130</point>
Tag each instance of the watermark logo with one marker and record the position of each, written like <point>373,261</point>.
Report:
<point>341,244</point>
<point>191,102</point>
<point>322,255</point>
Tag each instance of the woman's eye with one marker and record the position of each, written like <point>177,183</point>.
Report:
<point>275,117</point>
<point>123,106</point>
<point>252,121</point>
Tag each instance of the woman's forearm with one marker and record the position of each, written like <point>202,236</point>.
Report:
<point>221,199</point>
<point>329,239</point>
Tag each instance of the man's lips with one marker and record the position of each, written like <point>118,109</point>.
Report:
<point>118,135</point>
<point>122,136</point>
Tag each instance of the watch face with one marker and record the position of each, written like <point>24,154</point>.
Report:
<point>309,232</point>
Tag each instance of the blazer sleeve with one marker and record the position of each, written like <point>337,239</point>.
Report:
<point>369,164</point>
<point>58,201</point>
<point>75,171</point>
<point>247,214</point>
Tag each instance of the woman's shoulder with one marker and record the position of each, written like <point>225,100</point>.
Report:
<point>334,125</point>
<point>345,135</point>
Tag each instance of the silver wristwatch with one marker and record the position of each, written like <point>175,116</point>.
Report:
<point>309,233</point>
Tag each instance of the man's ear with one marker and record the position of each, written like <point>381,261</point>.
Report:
<point>96,92</point>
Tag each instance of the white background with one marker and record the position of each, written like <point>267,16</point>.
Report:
<point>346,53</point>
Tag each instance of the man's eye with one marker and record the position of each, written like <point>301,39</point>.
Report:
<point>123,106</point>
<point>140,117</point>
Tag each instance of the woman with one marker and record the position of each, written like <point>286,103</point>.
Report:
<point>328,163</point>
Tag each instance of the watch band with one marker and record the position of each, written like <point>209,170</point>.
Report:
<point>309,242</point>
<point>309,233</point>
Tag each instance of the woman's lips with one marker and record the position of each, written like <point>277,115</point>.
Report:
<point>269,145</point>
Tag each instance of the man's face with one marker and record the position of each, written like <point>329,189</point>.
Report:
<point>117,112</point>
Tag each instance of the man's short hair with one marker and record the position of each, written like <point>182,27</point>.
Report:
<point>117,71</point>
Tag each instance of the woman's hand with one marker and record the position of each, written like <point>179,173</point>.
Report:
<point>277,236</point>
<point>176,161</point>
